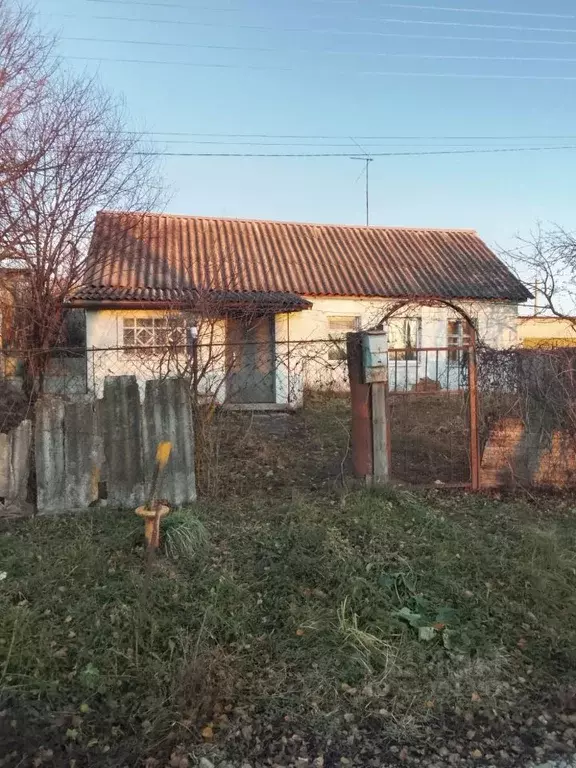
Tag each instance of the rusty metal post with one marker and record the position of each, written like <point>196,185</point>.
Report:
<point>361,436</point>
<point>473,392</point>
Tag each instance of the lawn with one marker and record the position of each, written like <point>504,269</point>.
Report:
<point>331,627</point>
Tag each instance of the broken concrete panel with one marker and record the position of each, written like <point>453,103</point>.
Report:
<point>49,453</point>
<point>15,469</point>
<point>122,437</point>
<point>167,416</point>
<point>83,449</point>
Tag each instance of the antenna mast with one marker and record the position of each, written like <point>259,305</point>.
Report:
<point>367,160</point>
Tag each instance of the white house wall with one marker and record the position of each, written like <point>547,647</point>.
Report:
<point>302,341</point>
<point>309,338</point>
<point>106,357</point>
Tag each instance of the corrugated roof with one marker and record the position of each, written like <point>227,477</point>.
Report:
<point>155,255</point>
<point>274,300</point>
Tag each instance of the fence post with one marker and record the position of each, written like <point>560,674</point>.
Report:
<point>380,434</point>
<point>370,428</point>
<point>361,433</point>
<point>474,435</point>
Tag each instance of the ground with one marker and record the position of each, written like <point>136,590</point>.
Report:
<point>318,627</point>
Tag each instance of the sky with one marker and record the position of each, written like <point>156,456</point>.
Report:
<point>247,76</point>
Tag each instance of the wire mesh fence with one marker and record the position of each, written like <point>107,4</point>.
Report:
<point>267,417</point>
<point>286,420</point>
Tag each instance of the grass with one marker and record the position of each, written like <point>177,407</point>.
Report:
<point>391,608</point>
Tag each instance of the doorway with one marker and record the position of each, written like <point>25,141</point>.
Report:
<point>250,360</point>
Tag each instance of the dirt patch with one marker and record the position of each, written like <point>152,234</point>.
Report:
<point>430,437</point>
<point>309,449</point>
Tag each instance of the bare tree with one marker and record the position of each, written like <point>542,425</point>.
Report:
<point>546,262</point>
<point>26,66</point>
<point>89,161</point>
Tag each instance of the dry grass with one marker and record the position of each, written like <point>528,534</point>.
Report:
<point>389,608</point>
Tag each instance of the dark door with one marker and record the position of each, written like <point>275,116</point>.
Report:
<point>250,360</point>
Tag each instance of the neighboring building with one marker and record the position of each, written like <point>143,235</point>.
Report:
<point>282,296</point>
<point>546,331</point>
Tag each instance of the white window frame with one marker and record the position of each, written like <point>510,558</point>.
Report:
<point>164,331</point>
<point>461,338</point>
<point>395,330</point>
<point>337,350</point>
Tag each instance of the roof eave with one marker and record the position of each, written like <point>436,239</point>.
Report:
<point>225,306</point>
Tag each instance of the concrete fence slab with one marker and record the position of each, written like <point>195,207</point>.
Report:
<point>121,424</point>
<point>83,451</point>
<point>78,444</point>
<point>167,415</point>
<point>15,469</point>
<point>49,453</point>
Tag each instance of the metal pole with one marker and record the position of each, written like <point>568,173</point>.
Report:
<point>367,192</point>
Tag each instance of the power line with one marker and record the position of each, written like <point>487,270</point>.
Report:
<point>433,38</point>
<point>327,137</point>
<point>377,54</point>
<point>450,9</point>
<point>318,145</point>
<point>347,154</point>
<point>364,73</point>
<point>402,6</point>
<point>370,33</point>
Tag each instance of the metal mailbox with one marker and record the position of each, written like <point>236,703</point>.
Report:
<point>375,356</point>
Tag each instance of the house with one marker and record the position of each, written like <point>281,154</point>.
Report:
<point>280,298</point>
<point>545,331</point>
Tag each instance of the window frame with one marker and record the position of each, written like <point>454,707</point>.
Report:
<point>455,341</point>
<point>166,332</point>
<point>337,349</point>
<point>406,352</point>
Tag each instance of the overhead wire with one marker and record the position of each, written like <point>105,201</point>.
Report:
<point>410,6</point>
<point>459,38</point>
<point>377,54</point>
<point>348,32</point>
<point>328,137</point>
<point>149,153</point>
<point>400,6</point>
<point>221,143</point>
<point>363,73</point>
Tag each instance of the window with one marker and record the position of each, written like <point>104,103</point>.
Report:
<point>404,335</point>
<point>458,336</point>
<point>338,327</point>
<point>148,332</point>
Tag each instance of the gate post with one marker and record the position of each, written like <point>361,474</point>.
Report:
<point>368,373</point>
<point>361,433</point>
<point>474,434</point>
<point>380,434</point>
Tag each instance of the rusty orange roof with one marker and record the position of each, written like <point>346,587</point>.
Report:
<point>145,256</point>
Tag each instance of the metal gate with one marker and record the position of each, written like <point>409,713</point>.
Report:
<point>432,415</point>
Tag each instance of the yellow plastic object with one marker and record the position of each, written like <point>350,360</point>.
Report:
<point>152,519</point>
<point>163,453</point>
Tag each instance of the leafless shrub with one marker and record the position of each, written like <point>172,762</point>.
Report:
<point>537,386</point>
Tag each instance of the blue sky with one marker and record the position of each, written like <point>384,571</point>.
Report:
<point>327,69</point>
